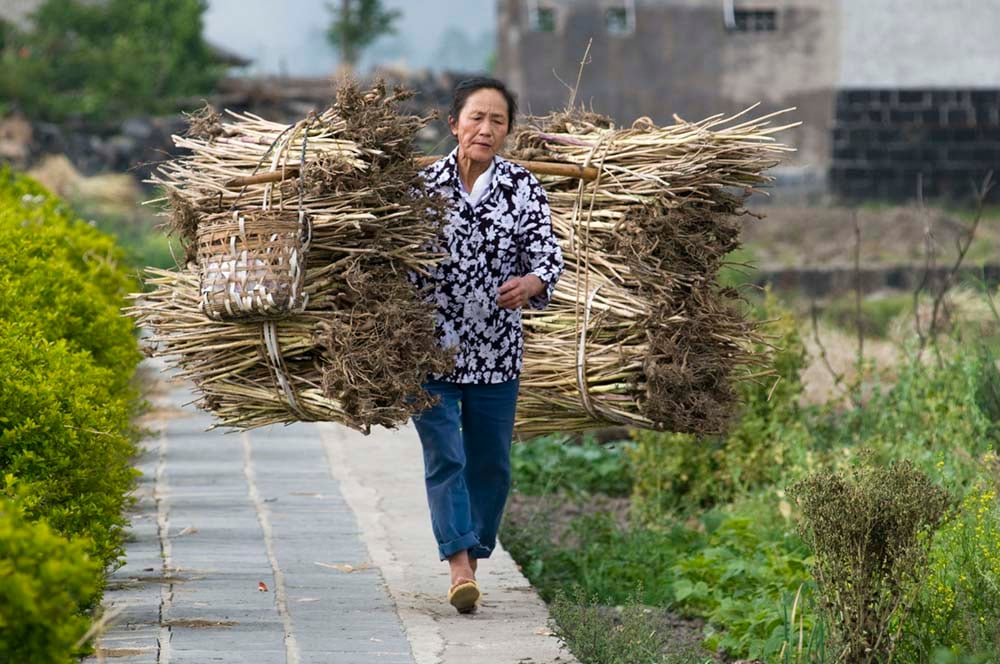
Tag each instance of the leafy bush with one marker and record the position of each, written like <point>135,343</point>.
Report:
<point>713,535</point>
<point>47,579</point>
<point>550,464</point>
<point>942,418</point>
<point>869,532</point>
<point>957,610</point>
<point>63,276</point>
<point>724,567</point>
<point>681,472</point>
<point>739,577</point>
<point>65,438</point>
<point>107,60</point>
<point>66,404</point>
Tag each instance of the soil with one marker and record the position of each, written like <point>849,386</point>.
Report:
<point>559,511</point>
<point>824,236</point>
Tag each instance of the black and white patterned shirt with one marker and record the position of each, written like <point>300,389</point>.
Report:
<point>506,234</point>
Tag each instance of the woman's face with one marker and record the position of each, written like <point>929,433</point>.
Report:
<point>481,126</point>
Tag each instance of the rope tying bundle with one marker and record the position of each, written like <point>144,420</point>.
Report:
<point>581,336</point>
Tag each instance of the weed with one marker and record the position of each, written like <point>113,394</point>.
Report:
<point>868,531</point>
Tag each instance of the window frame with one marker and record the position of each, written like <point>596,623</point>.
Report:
<point>538,8</point>
<point>626,28</point>
<point>755,19</point>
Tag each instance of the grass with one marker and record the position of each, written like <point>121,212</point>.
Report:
<point>135,229</point>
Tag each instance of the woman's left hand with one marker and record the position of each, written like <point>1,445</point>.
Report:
<point>516,292</point>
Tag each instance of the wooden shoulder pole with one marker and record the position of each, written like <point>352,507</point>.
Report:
<point>588,173</point>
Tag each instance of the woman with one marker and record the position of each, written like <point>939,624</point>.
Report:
<point>501,255</point>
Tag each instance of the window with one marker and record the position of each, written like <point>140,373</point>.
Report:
<point>543,19</point>
<point>755,20</point>
<point>620,20</point>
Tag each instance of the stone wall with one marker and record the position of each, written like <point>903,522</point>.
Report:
<point>884,140</point>
<point>835,281</point>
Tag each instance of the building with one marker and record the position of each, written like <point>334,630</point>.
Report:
<point>887,91</point>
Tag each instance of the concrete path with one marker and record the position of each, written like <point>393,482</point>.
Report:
<point>308,543</point>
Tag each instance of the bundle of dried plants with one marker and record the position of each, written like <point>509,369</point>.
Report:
<point>359,350</point>
<point>639,331</point>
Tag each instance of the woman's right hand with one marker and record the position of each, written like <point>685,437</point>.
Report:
<point>515,293</point>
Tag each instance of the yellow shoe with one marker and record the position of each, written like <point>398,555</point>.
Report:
<point>464,596</point>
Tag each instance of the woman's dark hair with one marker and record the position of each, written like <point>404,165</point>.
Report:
<point>464,89</point>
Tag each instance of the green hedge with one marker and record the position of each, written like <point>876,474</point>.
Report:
<point>45,580</point>
<point>65,440</point>
<point>67,401</point>
<point>63,276</point>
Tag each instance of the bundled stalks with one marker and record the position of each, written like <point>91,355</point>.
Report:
<point>360,347</point>
<point>639,333</point>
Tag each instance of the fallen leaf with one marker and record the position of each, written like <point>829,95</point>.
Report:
<point>307,599</point>
<point>261,586</point>
<point>344,567</point>
<point>190,530</point>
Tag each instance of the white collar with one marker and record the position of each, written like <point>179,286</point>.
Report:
<point>480,186</point>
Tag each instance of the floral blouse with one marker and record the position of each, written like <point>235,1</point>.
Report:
<point>507,234</point>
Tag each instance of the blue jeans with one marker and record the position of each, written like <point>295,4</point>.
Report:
<point>466,438</point>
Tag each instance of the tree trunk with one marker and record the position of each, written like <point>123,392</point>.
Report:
<point>347,55</point>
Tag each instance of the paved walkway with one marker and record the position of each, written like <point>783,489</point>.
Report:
<point>308,543</point>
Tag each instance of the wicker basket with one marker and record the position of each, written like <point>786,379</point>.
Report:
<point>252,265</point>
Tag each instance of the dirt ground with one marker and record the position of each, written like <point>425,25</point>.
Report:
<point>824,236</point>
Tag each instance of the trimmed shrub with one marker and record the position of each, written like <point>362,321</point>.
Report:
<point>63,276</point>
<point>46,581</point>
<point>65,438</point>
<point>67,358</point>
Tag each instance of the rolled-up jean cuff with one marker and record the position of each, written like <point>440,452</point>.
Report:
<point>467,541</point>
<point>480,551</point>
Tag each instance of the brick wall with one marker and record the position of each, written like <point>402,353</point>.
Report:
<point>884,139</point>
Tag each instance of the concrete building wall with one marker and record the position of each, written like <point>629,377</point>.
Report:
<point>681,59</point>
<point>796,65</point>
<point>920,44</point>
